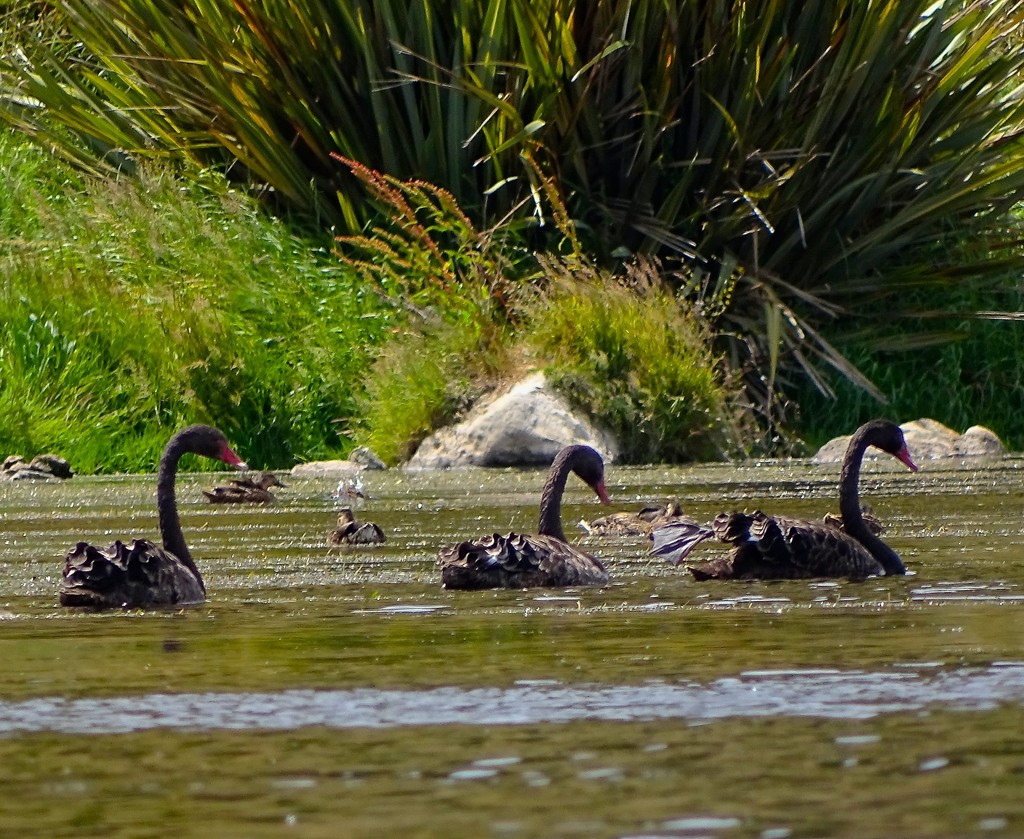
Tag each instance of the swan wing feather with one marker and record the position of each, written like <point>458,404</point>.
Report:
<point>138,574</point>
<point>674,541</point>
<point>518,561</point>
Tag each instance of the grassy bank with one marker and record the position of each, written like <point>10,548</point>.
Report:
<point>789,168</point>
<point>829,196</point>
<point>131,307</point>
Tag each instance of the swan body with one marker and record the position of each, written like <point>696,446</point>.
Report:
<point>541,559</point>
<point>245,490</point>
<point>351,532</point>
<point>773,548</point>
<point>141,573</point>
<point>641,523</point>
<point>135,575</point>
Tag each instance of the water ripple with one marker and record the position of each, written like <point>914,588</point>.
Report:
<point>813,693</point>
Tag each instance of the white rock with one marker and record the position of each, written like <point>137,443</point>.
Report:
<point>327,469</point>
<point>978,441</point>
<point>926,439</point>
<point>526,426</point>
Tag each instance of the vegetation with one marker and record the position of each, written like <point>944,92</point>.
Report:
<point>806,177</point>
<point>129,308</point>
<point>641,365</point>
<point>963,371</point>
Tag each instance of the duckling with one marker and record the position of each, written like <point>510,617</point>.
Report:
<point>641,523</point>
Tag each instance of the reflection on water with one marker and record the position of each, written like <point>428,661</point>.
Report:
<point>341,692</point>
<point>825,693</point>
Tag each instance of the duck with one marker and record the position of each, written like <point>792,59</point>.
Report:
<point>640,523</point>
<point>351,532</point>
<point>245,490</point>
<point>350,490</point>
<point>533,560</point>
<point>776,548</point>
<point>142,574</point>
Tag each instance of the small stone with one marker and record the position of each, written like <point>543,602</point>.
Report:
<point>327,469</point>
<point>366,458</point>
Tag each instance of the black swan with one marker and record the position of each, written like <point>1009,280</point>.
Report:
<point>351,532</point>
<point>526,561</point>
<point>649,517</point>
<point>143,574</point>
<point>245,490</point>
<point>770,548</point>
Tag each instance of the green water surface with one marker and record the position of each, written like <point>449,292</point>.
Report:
<point>288,613</point>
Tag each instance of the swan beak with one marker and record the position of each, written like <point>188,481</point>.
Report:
<point>602,492</point>
<point>903,456</point>
<point>232,459</point>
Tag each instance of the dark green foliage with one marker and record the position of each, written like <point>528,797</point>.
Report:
<point>961,372</point>
<point>800,161</point>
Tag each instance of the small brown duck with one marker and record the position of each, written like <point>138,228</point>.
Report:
<point>777,548</point>
<point>543,559</point>
<point>641,523</point>
<point>351,532</point>
<point>245,490</point>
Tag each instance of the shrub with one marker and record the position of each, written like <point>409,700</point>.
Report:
<point>635,360</point>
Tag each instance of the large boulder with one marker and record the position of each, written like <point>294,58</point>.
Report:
<point>927,439</point>
<point>524,426</point>
<point>978,441</point>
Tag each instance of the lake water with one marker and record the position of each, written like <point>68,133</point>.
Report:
<point>328,692</point>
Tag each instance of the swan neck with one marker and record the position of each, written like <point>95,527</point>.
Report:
<point>849,484</point>
<point>167,506</point>
<point>551,496</point>
<point>849,508</point>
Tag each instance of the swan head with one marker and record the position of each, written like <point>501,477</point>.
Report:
<point>589,467</point>
<point>888,437</point>
<point>210,442</point>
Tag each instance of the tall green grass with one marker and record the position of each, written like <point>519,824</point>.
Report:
<point>961,371</point>
<point>425,378</point>
<point>130,307</point>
